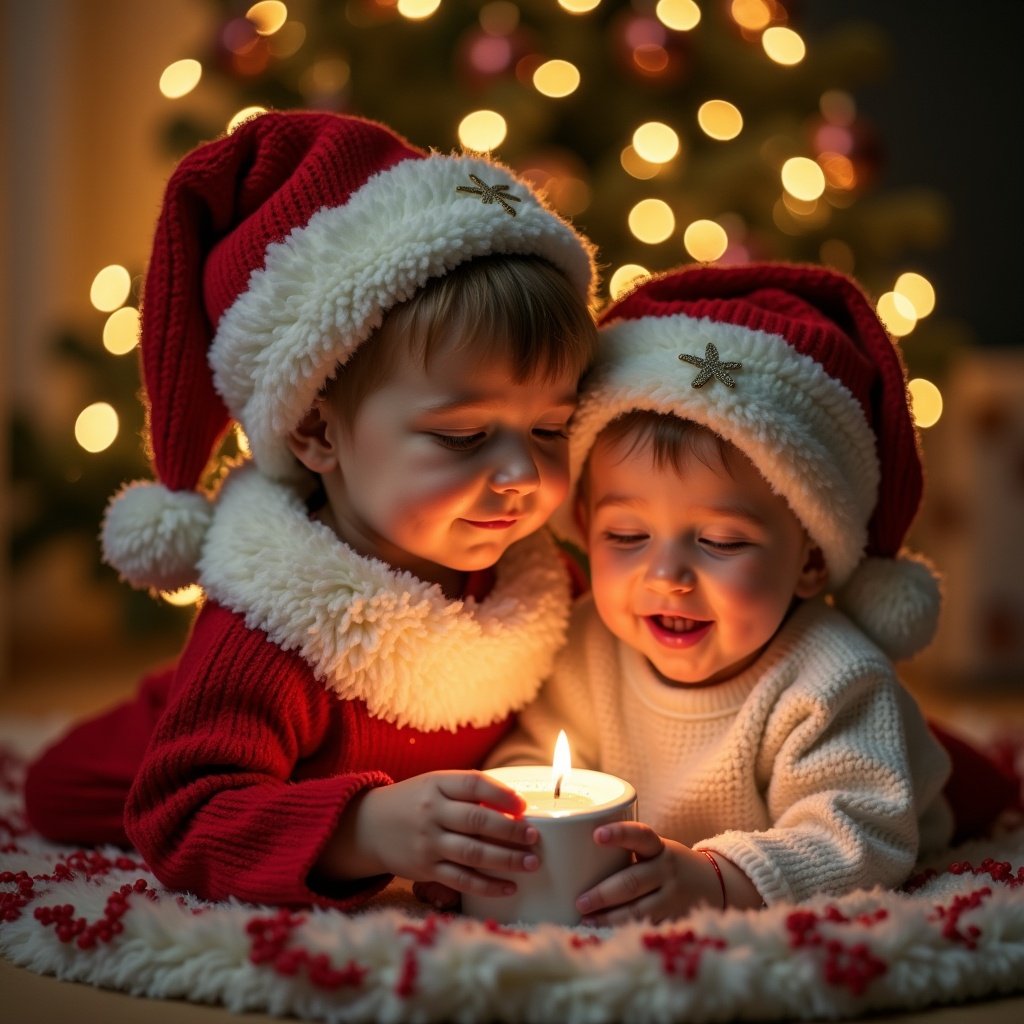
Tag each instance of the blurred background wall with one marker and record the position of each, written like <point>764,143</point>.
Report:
<point>881,138</point>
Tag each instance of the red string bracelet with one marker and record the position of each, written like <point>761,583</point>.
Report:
<point>718,871</point>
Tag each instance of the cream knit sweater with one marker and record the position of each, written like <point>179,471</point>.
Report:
<point>813,770</point>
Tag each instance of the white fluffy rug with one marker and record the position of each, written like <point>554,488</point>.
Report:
<point>955,933</point>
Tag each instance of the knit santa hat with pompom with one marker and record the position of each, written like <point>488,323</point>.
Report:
<point>790,364</point>
<point>278,250</point>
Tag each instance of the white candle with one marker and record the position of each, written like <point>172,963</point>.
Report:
<point>570,861</point>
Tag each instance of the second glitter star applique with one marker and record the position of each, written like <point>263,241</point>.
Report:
<point>491,194</point>
<point>711,366</point>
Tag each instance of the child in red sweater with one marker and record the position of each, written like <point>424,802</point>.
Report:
<point>400,335</point>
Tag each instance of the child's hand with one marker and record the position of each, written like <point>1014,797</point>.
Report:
<point>451,827</point>
<point>667,880</point>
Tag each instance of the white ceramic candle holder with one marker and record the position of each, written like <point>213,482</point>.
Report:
<point>570,861</point>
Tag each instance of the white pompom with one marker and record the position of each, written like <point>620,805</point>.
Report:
<point>896,602</point>
<point>154,536</point>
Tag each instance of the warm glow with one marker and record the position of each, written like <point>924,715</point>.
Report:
<point>783,45</point>
<point>636,166</point>
<point>185,597</point>
<point>681,15</point>
<point>417,10</point>
<point>655,142</point>
<point>918,290</point>
<point>110,288</point>
<point>561,763</point>
<point>897,313</point>
<point>925,402</point>
<point>753,15</point>
<point>626,278</point>
<point>121,331</point>
<point>578,6</point>
<point>268,16</point>
<point>652,221</point>
<point>556,78</point>
<point>243,115</point>
<point>705,240</point>
<point>483,130</point>
<point>96,427</point>
<point>720,120</point>
<point>180,78</point>
<point>803,179</point>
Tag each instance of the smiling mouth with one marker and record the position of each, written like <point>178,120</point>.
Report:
<point>677,631</point>
<point>492,524</point>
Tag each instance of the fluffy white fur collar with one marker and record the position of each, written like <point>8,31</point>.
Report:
<point>372,633</point>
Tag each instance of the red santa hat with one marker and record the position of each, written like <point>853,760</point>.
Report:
<point>278,250</point>
<point>790,364</point>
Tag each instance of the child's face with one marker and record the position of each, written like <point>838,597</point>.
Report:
<point>444,467</point>
<point>697,568</point>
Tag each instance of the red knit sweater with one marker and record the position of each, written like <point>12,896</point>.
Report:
<point>230,772</point>
<point>253,762</point>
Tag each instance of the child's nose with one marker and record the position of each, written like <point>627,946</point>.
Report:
<point>515,470</point>
<point>669,572</point>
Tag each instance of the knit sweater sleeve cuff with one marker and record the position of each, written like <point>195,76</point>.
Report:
<point>742,850</point>
<point>342,894</point>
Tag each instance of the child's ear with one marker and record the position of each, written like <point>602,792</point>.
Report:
<point>814,574</point>
<point>310,442</point>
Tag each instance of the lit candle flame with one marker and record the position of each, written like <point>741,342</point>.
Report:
<point>562,763</point>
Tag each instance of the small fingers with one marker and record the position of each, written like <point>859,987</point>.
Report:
<point>479,788</point>
<point>622,888</point>
<point>481,856</point>
<point>478,820</point>
<point>465,880</point>
<point>631,835</point>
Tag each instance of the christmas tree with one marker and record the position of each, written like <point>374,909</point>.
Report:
<point>668,131</point>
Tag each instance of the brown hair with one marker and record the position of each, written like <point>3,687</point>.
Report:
<point>518,307</point>
<point>671,440</point>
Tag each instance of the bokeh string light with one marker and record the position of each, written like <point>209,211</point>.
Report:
<point>783,45</point>
<point>655,142</point>
<point>556,78</point>
<point>720,119</point>
<point>96,427</point>
<point>180,78</point>
<point>482,130</point>
<point>681,15</point>
<point>417,10</point>
<point>625,278</point>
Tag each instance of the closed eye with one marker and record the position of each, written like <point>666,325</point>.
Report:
<point>624,539</point>
<point>552,433</point>
<point>724,545</point>
<point>459,442</point>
